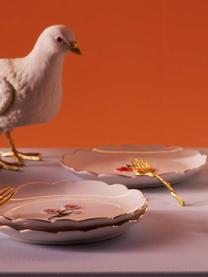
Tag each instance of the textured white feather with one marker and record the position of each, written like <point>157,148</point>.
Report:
<point>6,95</point>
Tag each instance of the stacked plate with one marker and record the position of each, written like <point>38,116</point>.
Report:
<point>90,210</point>
<point>110,164</point>
<point>65,212</point>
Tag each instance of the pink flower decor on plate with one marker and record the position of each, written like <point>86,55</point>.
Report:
<point>127,168</point>
<point>50,211</point>
<point>72,207</point>
<point>67,210</point>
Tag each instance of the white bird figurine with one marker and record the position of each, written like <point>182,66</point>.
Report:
<point>30,87</point>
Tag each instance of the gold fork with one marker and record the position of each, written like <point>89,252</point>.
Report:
<point>6,194</point>
<point>142,167</point>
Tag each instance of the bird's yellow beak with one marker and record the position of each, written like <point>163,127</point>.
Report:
<point>73,46</point>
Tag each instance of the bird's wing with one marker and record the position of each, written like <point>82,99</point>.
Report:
<point>7,94</point>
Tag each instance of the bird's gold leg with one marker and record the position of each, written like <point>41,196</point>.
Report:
<point>9,166</point>
<point>18,155</point>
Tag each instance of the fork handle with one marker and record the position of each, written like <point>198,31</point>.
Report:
<point>171,189</point>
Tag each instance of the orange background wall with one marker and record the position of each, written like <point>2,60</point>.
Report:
<point>142,78</point>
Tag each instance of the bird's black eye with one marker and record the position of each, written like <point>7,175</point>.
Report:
<point>59,39</point>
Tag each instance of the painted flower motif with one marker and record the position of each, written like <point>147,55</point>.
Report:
<point>50,211</point>
<point>127,168</point>
<point>72,207</point>
<point>67,210</point>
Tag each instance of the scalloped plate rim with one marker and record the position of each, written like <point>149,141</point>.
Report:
<point>101,175</point>
<point>128,214</point>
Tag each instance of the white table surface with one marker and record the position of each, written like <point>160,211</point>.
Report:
<point>170,239</point>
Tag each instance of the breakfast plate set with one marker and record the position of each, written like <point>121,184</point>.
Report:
<point>104,203</point>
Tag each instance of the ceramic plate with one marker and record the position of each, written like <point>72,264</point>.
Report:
<point>109,163</point>
<point>67,237</point>
<point>67,206</point>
